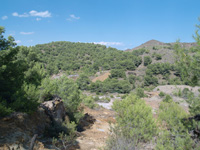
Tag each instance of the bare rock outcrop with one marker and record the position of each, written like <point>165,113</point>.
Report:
<point>17,130</point>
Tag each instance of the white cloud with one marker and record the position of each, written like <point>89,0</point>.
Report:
<point>42,14</point>
<point>4,17</point>
<point>26,33</point>
<point>33,13</point>
<point>18,15</point>
<point>38,19</point>
<point>72,17</point>
<point>109,43</point>
<point>18,41</point>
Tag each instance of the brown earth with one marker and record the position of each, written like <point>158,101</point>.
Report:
<point>95,137</point>
<point>102,77</point>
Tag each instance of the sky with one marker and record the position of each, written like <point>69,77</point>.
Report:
<point>121,24</point>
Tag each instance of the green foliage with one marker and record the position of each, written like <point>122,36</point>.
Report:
<point>89,101</point>
<point>194,105</point>
<point>64,88</point>
<point>177,136</point>
<point>157,56</point>
<point>138,52</point>
<point>111,86</point>
<point>172,114</point>
<point>83,82</point>
<point>174,141</point>
<point>64,141</point>
<point>117,141</point>
<point>15,78</point>
<point>135,119</point>
<point>5,43</point>
<point>147,60</point>
<point>117,73</point>
<point>4,111</point>
<point>150,80</point>
<point>158,68</point>
<point>155,48</point>
<point>87,57</point>
<point>131,79</point>
<point>188,65</point>
<point>96,98</point>
<point>140,92</point>
<point>161,94</point>
<point>167,99</point>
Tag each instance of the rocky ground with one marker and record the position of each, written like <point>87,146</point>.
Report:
<point>18,129</point>
<point>95,137</point>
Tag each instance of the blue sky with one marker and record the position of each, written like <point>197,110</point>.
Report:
<point>117,23</point>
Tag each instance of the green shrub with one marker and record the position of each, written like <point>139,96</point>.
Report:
<point>96,98</point>
<point>140,92</point>
<point>147,60</point>
<point>124,96</point>
<point>150,80</point>
<point>161,94</point>
<point>132,79</point>
<point>194,105</point>
<point>65,141</point>
<point>66,89</point>
<point>4,111</point>
<point>167,99</point>
<point>176,135</point>
<point>117,73</point>
<point>135,119</point>
<point>89,102</point>
<point>83,82</point>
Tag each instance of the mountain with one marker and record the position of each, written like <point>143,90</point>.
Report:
<point>154,43</point>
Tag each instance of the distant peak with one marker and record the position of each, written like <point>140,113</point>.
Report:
<point>153,42</point>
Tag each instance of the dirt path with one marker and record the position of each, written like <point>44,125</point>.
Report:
<point>95,137</point>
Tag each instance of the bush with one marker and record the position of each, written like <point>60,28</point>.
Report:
<point>96,98</point>
<point>161,94</point>
<point>147,60</point>
<point>83,82</point>
<point>167,99</point>
<point>175,135</point>
<point>117,73</point>
<point>89,102</point>
<point>64,88</point>
<point>140,92</point>
<point>150,80</point>
<point>134,120</point>
<point>131,79</point>
<point>157,56</point>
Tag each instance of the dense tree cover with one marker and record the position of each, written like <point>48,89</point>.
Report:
<point>88,57</point>
<point>117,73</point>
<point>111,86</point>
<point>159,68</point>
<point>83,82</point>
<point>20,76</point>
